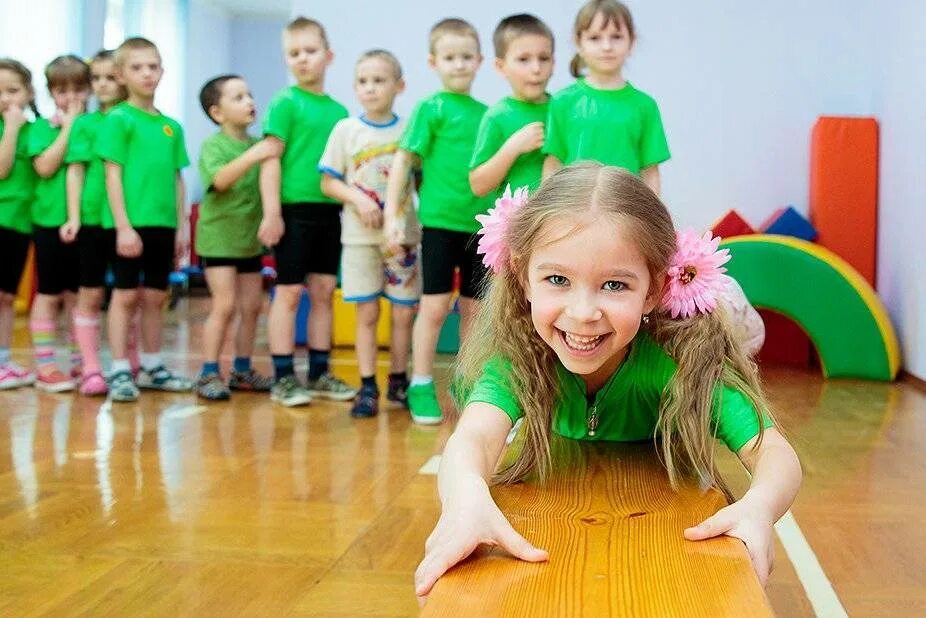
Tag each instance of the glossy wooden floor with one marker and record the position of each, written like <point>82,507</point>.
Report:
<point>167,507</point>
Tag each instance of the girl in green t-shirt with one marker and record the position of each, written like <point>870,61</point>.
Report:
<point>17,186</point>
<point>602,117</point>
<point>596,300</point>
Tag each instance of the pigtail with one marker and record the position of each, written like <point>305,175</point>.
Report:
<point>34,108</point>
<point>25,75</point>
<point>576,65</point>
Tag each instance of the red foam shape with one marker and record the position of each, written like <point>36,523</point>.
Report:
<point>731,224</point>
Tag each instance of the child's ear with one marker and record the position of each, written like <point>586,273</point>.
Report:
<point>499,63</point>
<point>655,292</point>
<point>432,61</point>
<point>400,86</point>
<point>215,112</point>
<point>329,57</point>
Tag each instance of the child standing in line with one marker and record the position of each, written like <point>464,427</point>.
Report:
<point>226,234</point>
<point>511,133</point>
<point>86,199</point>
<point>355,168</point>
<point>57,261</point>
<point>301,223</point>
<point>17,187</point>
<point>602,117</point>
<point>613,344</point>
<point>143,152</point>
<point>441,134</point>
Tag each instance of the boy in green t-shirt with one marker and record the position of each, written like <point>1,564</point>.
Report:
<point>143,152</point>
<point>508,145</point>
<point>226,233</point>
<point>301,223</point>
<point>441,134</point>
<point>56,256</point>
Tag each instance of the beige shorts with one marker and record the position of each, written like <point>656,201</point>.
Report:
<point>369,271</point>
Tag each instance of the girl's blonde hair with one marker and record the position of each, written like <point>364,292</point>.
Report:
<point>703,347</point>
<point>613,11</point>
<point>17,67</point>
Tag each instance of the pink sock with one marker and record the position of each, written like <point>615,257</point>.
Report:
<point>87,335</point>
<point>43,342</point>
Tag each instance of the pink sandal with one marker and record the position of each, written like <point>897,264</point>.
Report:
<point>93,384</point>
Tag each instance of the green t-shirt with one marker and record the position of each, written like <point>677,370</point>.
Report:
<point>617,127</point>
<point>18,188</point>
<point>49,209</point>
<point>93,200</point>
<point>228,220</point>
<point>303,120</point>
<point>151,150</point>
<point>627,406</point>
<point>442,131</point>
<point>500,122</point>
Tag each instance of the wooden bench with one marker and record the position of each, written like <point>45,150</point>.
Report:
<point>613,527</point>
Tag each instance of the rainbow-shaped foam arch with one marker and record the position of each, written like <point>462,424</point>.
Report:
<point>825,296</point>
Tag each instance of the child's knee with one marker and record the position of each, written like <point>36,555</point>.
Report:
<point>153,298</point>
<point>287,296</point>
<point>402,314</point>
<point>223,307</point>
<point>368,314</point>
<point>125,299</point>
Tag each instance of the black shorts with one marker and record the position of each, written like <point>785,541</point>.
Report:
<point>443,251</point>
<point>97,248</point>
<point>244,266</point>
<point>14,249</point>
<point>57,264</point>
<point>152,269</point>
<point>311,242</point>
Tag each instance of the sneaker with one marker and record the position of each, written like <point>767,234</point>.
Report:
<point>160,378</point>
<point>398,392</point>
<point>93,384</point>
<point>77,371</point>
<point>423,404</point>
<point>249,380</point>
<point>55,381</point>
<point>290,393</point>
<point>122,387</point>
<point>366,403</point>
<point>14,376</point>
<point>330,387</point>
<point>212,387</point>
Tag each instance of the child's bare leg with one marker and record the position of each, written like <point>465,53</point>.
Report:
<point>367,319</point>
<point>6,319</point>
<point>121,311</point>
<point>432,313</point>
<point>403,316</point>
<point>221,283</point>
<point>250,295</point>
<point>152,305</point>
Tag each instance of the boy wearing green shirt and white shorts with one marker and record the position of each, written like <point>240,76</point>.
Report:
<point>143,152</point>
<point>511,133</point>
<point>441,134</point>
<point>226,234</point>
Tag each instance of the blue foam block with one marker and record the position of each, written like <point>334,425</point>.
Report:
<point>792,223</point>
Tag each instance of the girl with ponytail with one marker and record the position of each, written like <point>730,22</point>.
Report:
<point>602,117</point>
<point>602,323</point>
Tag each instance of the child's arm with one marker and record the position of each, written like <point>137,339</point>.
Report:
<point>469,516</point>
<point>232,171</point>
<point>650,176</point>
<point>776,477</point>
<point>75,186</point>
<point>402,163</point>
<point>128,242</point>
<point>550,165</point>
<point>50,159</point>
<point>180,235</point>
<point>488,176</point>
<point>271,226</point>
<point>370,213</point>
<point>13,121</point>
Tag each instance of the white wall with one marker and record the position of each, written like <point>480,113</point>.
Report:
<point>256,55</point>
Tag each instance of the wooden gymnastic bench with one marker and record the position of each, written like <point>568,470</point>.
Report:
<point>613,528</point>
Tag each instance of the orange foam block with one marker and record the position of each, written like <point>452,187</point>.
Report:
<point>844,189</point>
<point>731,224</point>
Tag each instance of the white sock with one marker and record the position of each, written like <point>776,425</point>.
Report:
<point>121,364</point>
<point>421,380</point>
<point>150,361</point>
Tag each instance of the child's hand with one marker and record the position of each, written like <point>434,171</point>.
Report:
<point>748,523</point>
<point>68,231</point>
<point>180,246</point>
<point>371,215</point>
<point>14,117</point>
<point>271,230</point>
<point>469,519</point>
<point>266,149</point>
<point>528,138</point>
<point>74,109</point>
<point>128,242</point>
<point>392,232</point>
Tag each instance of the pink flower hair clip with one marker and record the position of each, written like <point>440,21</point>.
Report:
<point>696,275</point>
<point>492,243</point>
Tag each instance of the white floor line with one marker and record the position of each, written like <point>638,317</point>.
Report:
<point>818,588</point>
<point>431,466</point>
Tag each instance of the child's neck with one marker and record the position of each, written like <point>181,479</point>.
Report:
<point>235,131</point>
<point>605,81</point>
<point>142,102</point>
<point>379,116</point>
<point>315,87</point>
<point>464,93</point>
<point>105,107</point>
<point>543,98</point>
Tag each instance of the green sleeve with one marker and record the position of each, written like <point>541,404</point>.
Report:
<point>112,140</point>
<point>80,145</point>
<point>489,140</point>
<point>494,387</point>
<point>181,158</point>
<point>735,419</point>
<point>211,160</point>
<point>40,137</point>
<point>555,133</point>
<point>278,120</point>
<point>419,133</point>
<point>654,149</point>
